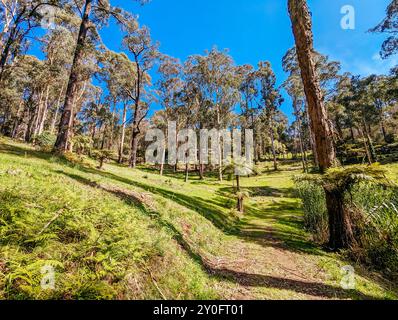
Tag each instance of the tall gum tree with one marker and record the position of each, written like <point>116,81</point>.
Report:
<point>340,229</point>
<point>144,54</point>
<point>94,15</point>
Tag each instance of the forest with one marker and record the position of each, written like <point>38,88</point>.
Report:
<point>84,215</point>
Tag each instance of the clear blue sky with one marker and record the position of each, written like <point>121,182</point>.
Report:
<point>255,30</point>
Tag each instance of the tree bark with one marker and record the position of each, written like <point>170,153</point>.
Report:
<point>66,122</point>
<point>123,134</point>
<point>43,117</point>
<point>339,220</point>
<point>134,147</point>
<point>340,228</point>
<point>186,172</point>
<point>273,148</point>
<point>302,30</point>
<point>54,121</point>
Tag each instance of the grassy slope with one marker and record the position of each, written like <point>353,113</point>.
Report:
<point>121,233</point>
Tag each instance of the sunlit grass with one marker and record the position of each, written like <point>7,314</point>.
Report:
<point>132,234</point>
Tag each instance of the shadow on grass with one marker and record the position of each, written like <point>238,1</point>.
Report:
<point>211,208</point>
<point>310,288</point>
<point>287,231</point>
<point>241,278</point>
<point>131,198</point>
<point>25,153</point>
<point>211,211</point>
<point>260,191</point>
<point>194,177</point>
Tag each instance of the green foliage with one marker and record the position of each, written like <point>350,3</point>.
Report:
<point>45,141</point>
<point>370,194</point>
<point>102,156</point>
<point>380,237</point>
<point>315,212</point>
<point>82,144</point>
<point>100,244</point>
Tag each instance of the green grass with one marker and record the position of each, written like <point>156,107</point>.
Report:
<point>119,233</point>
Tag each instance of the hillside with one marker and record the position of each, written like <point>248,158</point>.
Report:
<point>119,233</point>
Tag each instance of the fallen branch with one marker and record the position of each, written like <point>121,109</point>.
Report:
<point>51,221</point>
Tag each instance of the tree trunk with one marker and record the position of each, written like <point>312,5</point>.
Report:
<point>273,148</point>
<point>201,171</point>
<point>303,155</point>
<point>54,121</point>
<point>123,134</point>
<point>101,164</point>
<point>371,150</point>
<point>43,117</point>
<point>66,122</point>
<point>134,147</point>
<point>18,120</point>
<point>352,134</point>
<point>384,131</point>
<point>340,228</point>
<point>161,171</point>
<point>186,172</point>
<point>7,47</point>
<point>339,221</point>
<point>302,29</point>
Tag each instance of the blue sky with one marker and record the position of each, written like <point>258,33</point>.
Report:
<point>255,30</point>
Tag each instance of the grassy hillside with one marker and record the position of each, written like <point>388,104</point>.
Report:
<point>119,233</point>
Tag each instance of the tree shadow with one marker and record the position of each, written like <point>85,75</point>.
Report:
<point>132,199</point>
<point>207,264</point>
<point>287,232</point>
<point>260,191</point>
<point>229,223</point>
<point>210,211</point>
<point>25,153</point>
<point>315,289</point>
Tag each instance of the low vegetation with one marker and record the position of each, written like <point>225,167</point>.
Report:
<point>122,234</point>
<point>371,201</point>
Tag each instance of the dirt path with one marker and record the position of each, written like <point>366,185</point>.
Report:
<point>270,256</point>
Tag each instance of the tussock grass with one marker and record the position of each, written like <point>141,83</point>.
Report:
<point>119,233</point>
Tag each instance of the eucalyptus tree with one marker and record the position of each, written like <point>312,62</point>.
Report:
<point>94,15</point>
<point>271,99</point>
<point>144,53</point>
<point>390,26</point>
<point>327,72</point>
<point>169,87</point>
<point>18,19</point>
<point>218,87</point>
<point>194,71</point>
<point>379,92</point>
<point>19,97</point>
<point>293,87</point>
<point>250,90</point>
<point>340,225</point>
<point>120,75</point>
<point>364,112</point>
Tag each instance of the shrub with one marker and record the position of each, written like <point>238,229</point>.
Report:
<point>374,212</point>
<point>45,141</point>
<point>315,212</point>
<point>82,144</point>
<point>102,156</point>
<point>379,238</point>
